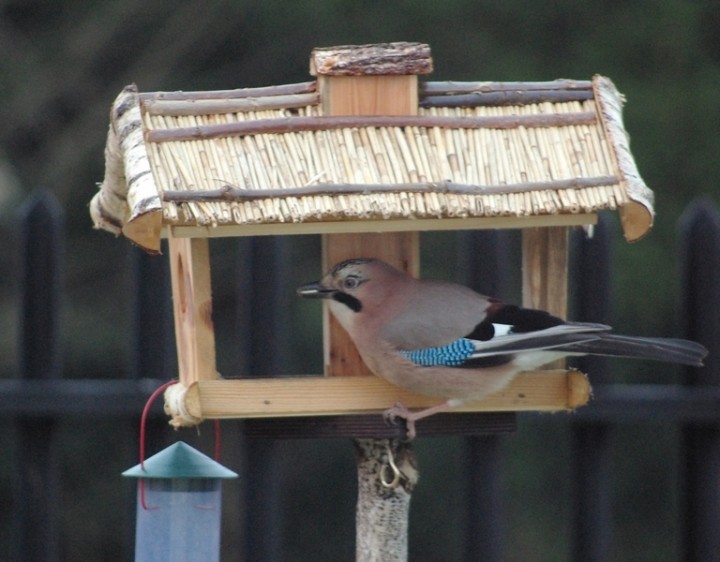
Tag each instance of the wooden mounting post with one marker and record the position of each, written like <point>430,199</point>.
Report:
<point>192,307</point>
<point>361,81</point>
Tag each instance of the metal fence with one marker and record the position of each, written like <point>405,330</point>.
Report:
<point>40,398</point>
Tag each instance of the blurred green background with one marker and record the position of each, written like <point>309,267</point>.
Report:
<point>63,63</point>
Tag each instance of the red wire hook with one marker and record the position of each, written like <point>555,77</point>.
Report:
<point>143,424</point>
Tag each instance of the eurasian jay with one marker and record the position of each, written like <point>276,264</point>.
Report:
<point>445,340</point>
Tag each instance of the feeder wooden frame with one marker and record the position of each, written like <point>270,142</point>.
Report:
<point>349,387</point>
<point>362,91</point>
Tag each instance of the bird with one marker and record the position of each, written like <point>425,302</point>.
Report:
<point>444,340</point>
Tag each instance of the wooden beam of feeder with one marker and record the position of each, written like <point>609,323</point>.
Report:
<point>192,307</point>
<point>230,193</point>
<point>303,124</point>
<point>544,391</point>
<point>355,227</point>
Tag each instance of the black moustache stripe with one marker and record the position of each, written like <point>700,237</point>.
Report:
<point>348,300</point>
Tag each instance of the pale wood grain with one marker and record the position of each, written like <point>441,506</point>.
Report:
<point>543,391</point>
<point>192,308</point>
<point>389,225</point>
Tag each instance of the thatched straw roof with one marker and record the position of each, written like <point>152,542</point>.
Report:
<point>266,160</point>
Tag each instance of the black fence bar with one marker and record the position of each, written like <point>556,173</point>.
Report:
<point>484,257</point>
<point>38,493</point>
<point>152,334</point>
<point>53,398</point>
<point>262,327</point>
<point>592,280</point>
<point>700,512</point>
<point>650,403</point>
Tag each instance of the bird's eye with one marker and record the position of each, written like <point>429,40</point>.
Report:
<point>351,282</point>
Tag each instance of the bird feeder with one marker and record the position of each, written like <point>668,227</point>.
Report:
<point>179,506</point>
<point>367,156</point>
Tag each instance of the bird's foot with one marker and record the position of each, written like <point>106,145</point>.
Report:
<point>399,410</point>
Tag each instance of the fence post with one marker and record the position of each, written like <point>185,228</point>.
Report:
<point>592,531</point>
<point>152,334</point>
<point>41,249</point>
<point>261,332</point>
<point>700,511</point>
<point>483,257</point>
<point>152,347</point>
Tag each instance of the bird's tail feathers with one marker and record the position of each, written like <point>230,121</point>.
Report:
<point>683,352</point>
<point>593,339</point>
<point>556,336</point>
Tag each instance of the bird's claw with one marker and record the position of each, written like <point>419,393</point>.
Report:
<point>399,410</point>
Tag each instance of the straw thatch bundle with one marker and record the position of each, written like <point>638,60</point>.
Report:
<point>220,161</point>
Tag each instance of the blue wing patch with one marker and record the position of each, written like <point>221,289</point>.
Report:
<point>451,355</point>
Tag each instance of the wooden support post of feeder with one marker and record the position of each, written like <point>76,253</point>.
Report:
<point>360,81</point>
<point>192,307</point>
<point>545,269</point>
<point>545,272</point>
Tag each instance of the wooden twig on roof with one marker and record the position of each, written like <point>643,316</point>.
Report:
<point>281,90</point>
<point>458,87</point>
<point>230,193</point>
<point>506,97</point>
<point>229,105</point>
<point>298,124</point>
<point>473,94</point>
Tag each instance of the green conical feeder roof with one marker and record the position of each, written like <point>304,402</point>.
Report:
<point>180,461</point>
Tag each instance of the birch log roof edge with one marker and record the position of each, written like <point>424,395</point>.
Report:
<point>229,162</point>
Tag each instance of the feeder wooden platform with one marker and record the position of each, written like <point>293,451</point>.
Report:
<point>543,391</point>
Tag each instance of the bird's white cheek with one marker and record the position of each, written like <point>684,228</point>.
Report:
<point>343,314</point>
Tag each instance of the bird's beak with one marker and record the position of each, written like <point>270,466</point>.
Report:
<point>315,291</point>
